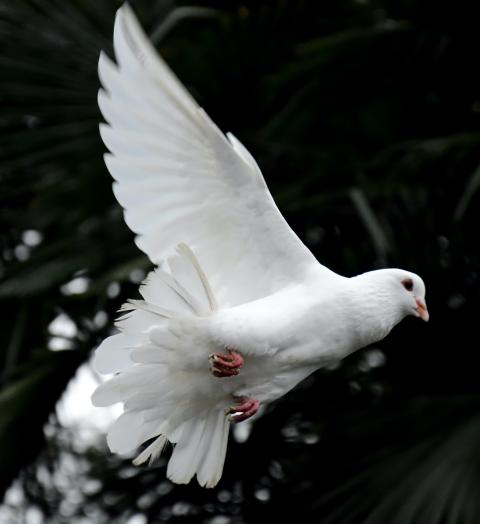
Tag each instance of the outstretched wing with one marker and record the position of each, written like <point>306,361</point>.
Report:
<point>180,179</point>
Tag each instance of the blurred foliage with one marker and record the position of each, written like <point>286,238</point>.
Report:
<point>365,119</point>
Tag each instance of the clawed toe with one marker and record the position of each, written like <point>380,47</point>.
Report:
<point>226,364</point>
<point>245,408</point>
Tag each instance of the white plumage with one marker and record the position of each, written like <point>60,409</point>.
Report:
<point>231,274</point>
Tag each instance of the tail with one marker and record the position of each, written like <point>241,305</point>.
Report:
<point>164,399</point>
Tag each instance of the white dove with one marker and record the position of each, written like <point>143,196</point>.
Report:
<point>239,310</point>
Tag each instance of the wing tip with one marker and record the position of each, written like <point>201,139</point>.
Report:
<point>126,31</point>
<point>106,67</point>
<point>127,10</point>
<point>103,127</point>
<point>120,13</point>
<point>109,159</point>
<point>119,37</point>
<point>103,59</point>
<point>105,131</point>
<point>103,101</point>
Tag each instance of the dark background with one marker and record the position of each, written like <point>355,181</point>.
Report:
<point>365,119</point>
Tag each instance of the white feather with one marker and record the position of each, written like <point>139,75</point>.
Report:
<point>151,452</point>
<point>215,448</point>
<point>123,435</point>
<point>186,454</point>
<point>156,391</point>
<point>158,133</point>
<point>113,354</point>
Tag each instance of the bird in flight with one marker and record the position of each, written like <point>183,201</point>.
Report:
<point>238,310</point>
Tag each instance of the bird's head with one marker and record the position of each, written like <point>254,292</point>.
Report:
<point>405,290</point>
<point>413,295</point>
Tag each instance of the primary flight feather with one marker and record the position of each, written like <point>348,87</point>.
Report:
<point>238,310</point>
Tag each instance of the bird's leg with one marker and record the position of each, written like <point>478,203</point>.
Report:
<point>245,407</point>
<point>226,364</point>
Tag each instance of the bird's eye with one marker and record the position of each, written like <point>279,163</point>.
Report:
<point>408,284</point>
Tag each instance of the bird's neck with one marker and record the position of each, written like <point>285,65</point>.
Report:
<point>374,312</point>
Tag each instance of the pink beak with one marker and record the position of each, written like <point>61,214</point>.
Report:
<point>422,309</point>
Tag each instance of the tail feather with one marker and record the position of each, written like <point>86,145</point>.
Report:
<point>186,454</point>
<point>166,395</point>
<point>192,304</point>
<point>149,307</point>
<point>152,452</point>
<point>210,468</point>
<point>201,450</point>
<point>196,274</point>
<point>150,354</point>
<point>113,354</point>
<point>162,288</point>
<point>123,386</point>
<point>136,320</point>
<point>121,438</point>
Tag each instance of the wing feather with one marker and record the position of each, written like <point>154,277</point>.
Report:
<point>181,180</point>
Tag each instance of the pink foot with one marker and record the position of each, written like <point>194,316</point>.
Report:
<point>244,408</point>
<point>226,365</point>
